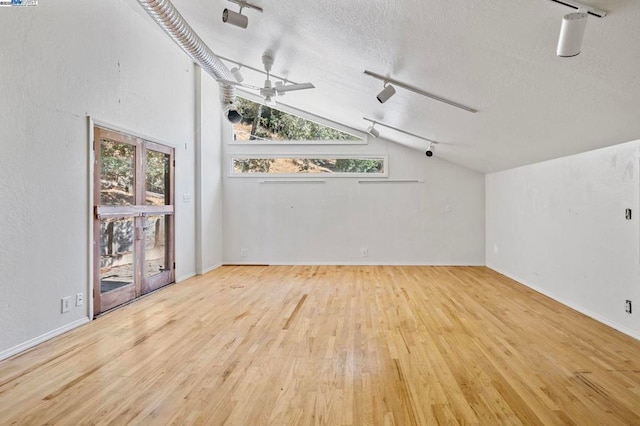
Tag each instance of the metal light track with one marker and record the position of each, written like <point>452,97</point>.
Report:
<point>263,72</point>
<point>576,5</point>
<point>419,91</point>
<point>244,4</point>
<point>399,130</point>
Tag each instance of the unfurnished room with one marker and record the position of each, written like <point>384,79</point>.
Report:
<point>335,213</point>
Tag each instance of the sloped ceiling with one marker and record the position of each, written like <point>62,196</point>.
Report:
<point>495,56</point>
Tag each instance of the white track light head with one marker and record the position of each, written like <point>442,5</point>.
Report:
<point>386,93</point>
<point>235,71</point>
<point>571,34</point>
<point>429,152</point>
<point>235,18</point>
<point>373,131</point>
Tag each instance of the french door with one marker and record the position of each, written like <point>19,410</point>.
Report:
<point>133,238</point>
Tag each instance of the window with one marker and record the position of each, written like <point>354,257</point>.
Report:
<point>266,125</point>
<point>311,166</point>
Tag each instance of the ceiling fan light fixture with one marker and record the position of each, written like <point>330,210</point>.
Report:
<point>234,18</point>
<point>271,89</point>
<point>386,93</point>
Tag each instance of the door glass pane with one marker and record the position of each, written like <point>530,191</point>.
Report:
<point>155,246</point>
<point>157,178</point>
<point>116,253</point>
<point>116,173</point>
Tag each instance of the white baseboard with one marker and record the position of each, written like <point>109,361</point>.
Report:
<point>352,263</point>
<point>211,268</point>
<point>36,341</point>
<point>573,306</point>
<point>185,277</point>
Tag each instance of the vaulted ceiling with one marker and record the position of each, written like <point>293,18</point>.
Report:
<point>495,56</point>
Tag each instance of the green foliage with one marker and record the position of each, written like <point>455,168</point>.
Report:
<point>271,124</point>
<point>304,165</point>
<point>278,125</point>
<point>157,171</point>
<point>116,163</point>
<point>356,165</point>
<point>309,165</point>
<point>253,165</point>
<point>117,175</point>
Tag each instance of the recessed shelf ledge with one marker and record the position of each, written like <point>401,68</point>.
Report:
<point>308,181</point>
<point>391,181</point>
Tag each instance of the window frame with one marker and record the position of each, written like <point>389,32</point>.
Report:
<point>139,211</point>
<point>383,174</point>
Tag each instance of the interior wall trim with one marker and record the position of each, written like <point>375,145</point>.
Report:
<point>42,338</point>
<point>573,306</point>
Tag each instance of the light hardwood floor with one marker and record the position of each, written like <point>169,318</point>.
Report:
<point>335,345</point>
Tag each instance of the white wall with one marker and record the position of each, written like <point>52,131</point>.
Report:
<point>208,174</point>
<point>398,223</point>
<point>559,227</point>
<point>60,62</point>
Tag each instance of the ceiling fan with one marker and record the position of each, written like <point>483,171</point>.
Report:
<point>269,91</point>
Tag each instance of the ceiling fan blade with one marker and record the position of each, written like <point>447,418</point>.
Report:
<point>235,83</point>
<point>291,87</point>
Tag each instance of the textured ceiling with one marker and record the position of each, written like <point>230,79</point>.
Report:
<point>497,56</point>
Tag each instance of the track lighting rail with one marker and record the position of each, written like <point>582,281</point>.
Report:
<point>263,72</point>
<point>418,91</point>
<point>244,4</point>
<point>399,130</point>
<point>576,5</point>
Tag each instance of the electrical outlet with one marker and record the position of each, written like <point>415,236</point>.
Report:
<point>627,306</point>
<point>244,252</point>
<point>66,304</point>
<point>365,252</point>
<point>79,299</point>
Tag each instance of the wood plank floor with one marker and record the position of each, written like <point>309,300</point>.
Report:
<point>334,345</point>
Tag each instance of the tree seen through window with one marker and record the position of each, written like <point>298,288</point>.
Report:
<point>261,122</point>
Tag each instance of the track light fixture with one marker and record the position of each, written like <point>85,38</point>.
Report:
<point>429,152</point>
<point>573,27</point>
<point>387,92</point>
<point>373,131</point>
<point>237,18</point>
<point>571,34</point>
<point>235,71</point>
